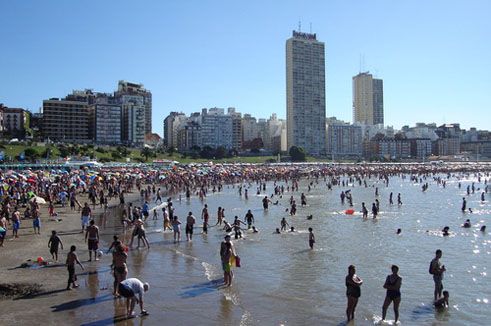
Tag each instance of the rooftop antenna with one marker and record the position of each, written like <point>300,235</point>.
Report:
<point>310,28</point>
<point>299,26</point>
<point>360,64</point>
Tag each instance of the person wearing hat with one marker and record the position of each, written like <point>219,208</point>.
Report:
<point>130,289</point>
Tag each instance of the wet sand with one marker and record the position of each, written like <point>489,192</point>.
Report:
<point>45,286</point>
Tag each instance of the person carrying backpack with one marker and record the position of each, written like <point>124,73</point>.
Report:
<point>437,269</point>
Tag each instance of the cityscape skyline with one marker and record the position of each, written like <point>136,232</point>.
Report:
<point>433,70</point>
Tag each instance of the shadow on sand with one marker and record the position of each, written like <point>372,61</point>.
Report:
<point>202,288</point>
<point>74,304</point>
<point>40,294</point>
<point>107,321</point>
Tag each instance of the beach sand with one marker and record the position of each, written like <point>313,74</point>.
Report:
<point>38,291</point>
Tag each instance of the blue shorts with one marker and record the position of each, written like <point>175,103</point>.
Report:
<point>16,225</point>
<point>36,223</point>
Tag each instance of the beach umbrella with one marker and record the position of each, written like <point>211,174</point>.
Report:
<point>38,200</point>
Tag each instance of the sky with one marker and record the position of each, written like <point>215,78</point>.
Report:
<point>433,56</point>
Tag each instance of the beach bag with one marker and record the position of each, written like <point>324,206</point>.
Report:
<point>237,261</point>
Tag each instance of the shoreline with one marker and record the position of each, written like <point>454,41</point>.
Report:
<point>53,277</point>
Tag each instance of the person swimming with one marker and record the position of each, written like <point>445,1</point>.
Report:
<point>292,229</point>
<point>442,303</point>
<point>277,231</point>
<point>467,223</point>
<point>399,231</point>
<point>254,230</point>
<point>445,231</point>
<point>309,217</point>
<point>483,228</point>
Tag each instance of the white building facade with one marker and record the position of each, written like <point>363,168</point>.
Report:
<point>305,93</point>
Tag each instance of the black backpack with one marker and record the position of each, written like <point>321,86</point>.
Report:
<point>430,269</point>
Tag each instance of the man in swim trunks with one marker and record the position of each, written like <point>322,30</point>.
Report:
<point>71,259</point>
<point>205,216</point>
<point>266,202</point>
<point>15,222</point>
<point>3,229</point>
<point>437,270</point>
<point>249,217</point>
<point>85,216</point>
<point>130,289</point>
<point>92,234</point>
<point>190,220</point>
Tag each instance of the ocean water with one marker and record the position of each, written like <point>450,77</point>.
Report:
<point>283,282</point>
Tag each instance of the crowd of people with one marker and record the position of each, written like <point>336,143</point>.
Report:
<point>29,189</point>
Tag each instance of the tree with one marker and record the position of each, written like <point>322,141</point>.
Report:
<point>123,151</point>
<point>64,151</point>
<point>47,152</point>
<point>31,154</point>
<point>207,152</point>
<point>220,152</point>
<point>171,150</point>
<point>254,144</point>
<point>116,155</point>
<point>297,154</point>
<point>146,152</point>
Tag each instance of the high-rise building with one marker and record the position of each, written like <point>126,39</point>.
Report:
<point>368,99</point>
<point>236,128</point>
<point>189,137</point>
<point>69,119</point>
<point>15,122</point>
<point>107,121</point>
<point>132,89</point>
<point>306,93</point>
<point>133,119</point>
<point>2,110</point>
<point>249,128</point>
<point>172,123</point>
<point>343,139</point>
<point>216,128</point>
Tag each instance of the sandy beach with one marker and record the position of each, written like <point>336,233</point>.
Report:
<point>42,288</point>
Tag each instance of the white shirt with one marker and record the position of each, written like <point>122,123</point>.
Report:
<point>135,284</point>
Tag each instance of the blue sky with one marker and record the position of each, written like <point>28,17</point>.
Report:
<point>434,56</point>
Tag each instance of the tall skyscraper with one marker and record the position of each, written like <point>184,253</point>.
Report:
<point>127,88</point>
<point>368,99</point>
<point>306,93</point>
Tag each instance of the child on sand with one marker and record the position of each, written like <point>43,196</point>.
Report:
<point>36,223</point>
<point>71,259</point>
<point>53,244</point>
